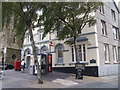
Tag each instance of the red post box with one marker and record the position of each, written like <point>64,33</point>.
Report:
<point>49,62</point>
<point>17,65</point>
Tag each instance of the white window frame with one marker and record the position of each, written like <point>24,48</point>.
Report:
<point>106,53</point>
<point>82,53</point>
<point>73,54</point>
<point>40,36</point>
<point>115,32</point>
<point>113,15</point>
<point>101,9</point>
<point>115,54</point>
<point>103,28</point>
<point>118,54</point>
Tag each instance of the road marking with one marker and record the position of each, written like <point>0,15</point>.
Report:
<point>65,82</point>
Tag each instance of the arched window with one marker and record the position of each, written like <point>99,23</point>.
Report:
<point>27,51</point>
<point>59,53</point>
<point>44,49</point>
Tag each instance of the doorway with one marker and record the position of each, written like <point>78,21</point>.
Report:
<point>28,62</point>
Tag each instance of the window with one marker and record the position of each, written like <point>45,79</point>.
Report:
<point>44,49</point>
<point>73,54</point>
<point>115,54</point>
<point>103,27</point>
<point>101,9</point>
<point>28,38</point>
<point>82,52</point>
<point>115,33</point>
<point>41,35</point>
<point>27,51</point>
<point>59,52</point>
<point>113,14</point>
<point>106,53</point>
<point>119,54</point>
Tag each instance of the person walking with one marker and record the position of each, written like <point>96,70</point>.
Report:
<point>22,65</point>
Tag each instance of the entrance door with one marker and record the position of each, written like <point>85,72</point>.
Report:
<point>28,62</point>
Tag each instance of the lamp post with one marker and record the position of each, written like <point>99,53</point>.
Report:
<point>5,49</point>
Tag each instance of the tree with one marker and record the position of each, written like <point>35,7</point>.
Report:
<point>24,15</point>
<point>69,19</point>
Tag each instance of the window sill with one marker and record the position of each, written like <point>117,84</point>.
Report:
<point>114,20</point>
<point>107,62</point>
<point>102,13</point>
<point>105,36</point>
<point>115,62</point>
<point>59,64</point>
<point>117,39</point>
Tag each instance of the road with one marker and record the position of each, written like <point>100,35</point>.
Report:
<point>16,79</point>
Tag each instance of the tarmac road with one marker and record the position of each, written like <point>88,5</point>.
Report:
<point>16,79</point>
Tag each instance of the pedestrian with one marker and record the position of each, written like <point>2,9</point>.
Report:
<point>22,65</point>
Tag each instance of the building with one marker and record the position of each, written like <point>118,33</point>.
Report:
<point>97,45</point>
<point>9,47</point>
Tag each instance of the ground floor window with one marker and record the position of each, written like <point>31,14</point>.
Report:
<point>59,52</point>
<point>73,54</point>
<point>115,54</point>
<point>106,53</point>
<point>81,52</point>
<point>119,54</point>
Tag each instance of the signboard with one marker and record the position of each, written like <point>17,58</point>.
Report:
<point>51,43</point>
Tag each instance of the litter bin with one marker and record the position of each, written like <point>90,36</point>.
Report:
<point>79,68</point>
<point>32,69</point>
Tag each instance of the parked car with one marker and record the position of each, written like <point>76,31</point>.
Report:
<point>6,66</point>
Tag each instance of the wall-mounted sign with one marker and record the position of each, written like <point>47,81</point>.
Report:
<point>51,43</point>
<point>93,61</point>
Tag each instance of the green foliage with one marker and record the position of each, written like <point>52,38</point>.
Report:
<point>21,17</point>
<point>68,18</point>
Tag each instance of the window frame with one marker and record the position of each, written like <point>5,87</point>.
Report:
<point>116,35</point>
<point>113,14</point>
<point>82,53</point>
<point>106,53</point>
<point>115,54</point>
<point>103,28</point>
<point>102,10</point>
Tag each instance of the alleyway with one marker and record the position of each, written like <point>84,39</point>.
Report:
<point>16,79</point>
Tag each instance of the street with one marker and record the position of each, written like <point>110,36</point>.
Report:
<point>16,79</point>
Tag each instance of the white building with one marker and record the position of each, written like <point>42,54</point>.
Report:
<point>97,45</point>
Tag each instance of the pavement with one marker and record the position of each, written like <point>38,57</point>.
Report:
<point>16,79</point>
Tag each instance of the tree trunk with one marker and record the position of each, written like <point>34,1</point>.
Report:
<point>40,81</point>
<point>75,50</point>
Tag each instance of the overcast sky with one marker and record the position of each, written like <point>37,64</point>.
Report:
<point>117,1</point>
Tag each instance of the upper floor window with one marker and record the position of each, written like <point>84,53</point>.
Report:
<point>41,36</point>
<point>106,53</point>
<point>115,32</point>
<point>113,14</point>
<point>101,9</point>
<point>103,27</point>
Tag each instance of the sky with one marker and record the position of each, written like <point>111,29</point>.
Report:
<point>117,1</point>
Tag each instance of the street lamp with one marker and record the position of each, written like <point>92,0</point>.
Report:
<point>5,49</point>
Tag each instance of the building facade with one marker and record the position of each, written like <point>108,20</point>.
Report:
<point>97,45</point>
<point>9,47</point>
